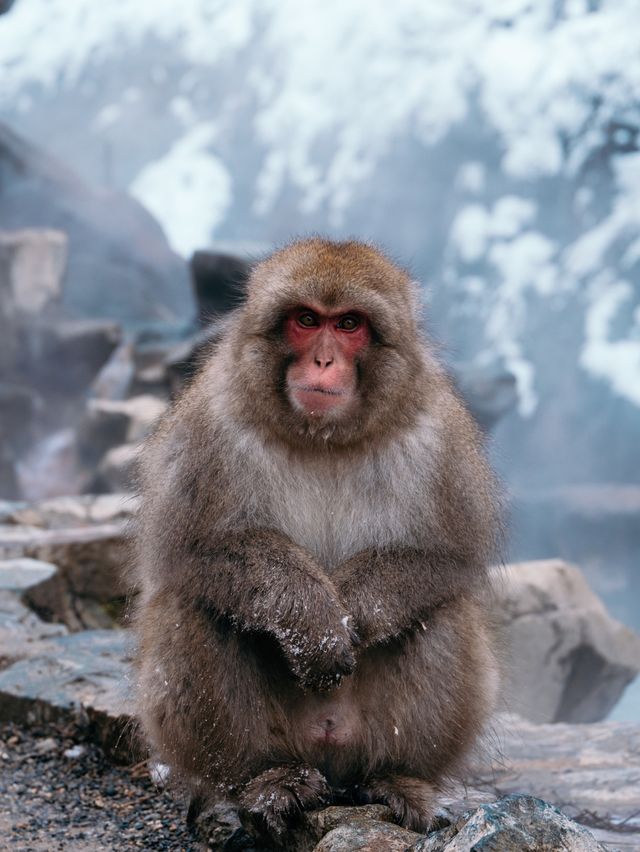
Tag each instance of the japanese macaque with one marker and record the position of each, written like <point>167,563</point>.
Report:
<point>316,522</point>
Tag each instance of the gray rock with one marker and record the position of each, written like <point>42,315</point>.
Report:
<point>116,377</point>
<point>109,423</point>
<point>80,677</point>
<point>63,512</point>
<point>117,470</point>
<point>520,823</point>
<point>369,836</point>
<point>120,265</point>
<point>23,573</point>
<point>32,268</point>
<point>66,355</point>
<point>51,465</point>
<point>89,587</point>
<point>22,633</point>
<point>590,771</point>
<point>218,281</point>
<point>567,659</point>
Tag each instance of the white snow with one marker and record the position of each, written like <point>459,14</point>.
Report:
<point>189,190</point>
<point>616,360</point>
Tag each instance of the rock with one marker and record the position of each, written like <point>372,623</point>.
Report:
<point>218,281</point>
<point>88,588</point>
<point>117,469</point>
<point>568,660</point>
<point>32,268</point>
<point>108,423</point>
<point>63,512</point>
<point>591,771</point>
<point>368,836</point>
<point>23,573</point>
<point>183,360</point>
<point>22,633</point>
<point>50,465</point>
<point>66,355</point>
<point>18,405</point>
<point>115,379</point>
<point>120,265</point>
<point>80,677</point>
<point>520,823</point>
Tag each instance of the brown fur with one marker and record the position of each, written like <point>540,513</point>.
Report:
<point>310,612</point>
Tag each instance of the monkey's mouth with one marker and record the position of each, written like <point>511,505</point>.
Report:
<point>316,401</point>
<point>317,389</point>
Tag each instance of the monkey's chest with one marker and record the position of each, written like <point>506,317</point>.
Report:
<point>334,517</point>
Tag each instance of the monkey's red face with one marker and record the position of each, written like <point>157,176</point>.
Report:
<point>322,380</point>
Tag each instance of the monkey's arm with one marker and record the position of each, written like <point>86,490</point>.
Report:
<point>261,581</point>
<point>391,590</point>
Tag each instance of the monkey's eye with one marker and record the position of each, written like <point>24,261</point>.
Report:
<point>307,319</point>
<point>349,323</point>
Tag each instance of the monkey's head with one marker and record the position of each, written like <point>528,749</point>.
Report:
<point>327,345</point>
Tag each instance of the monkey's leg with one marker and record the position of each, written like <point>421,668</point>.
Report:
<point>412,800</point>
<point>275,800</point>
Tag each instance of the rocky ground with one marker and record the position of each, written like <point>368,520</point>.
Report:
<point>57,793</point>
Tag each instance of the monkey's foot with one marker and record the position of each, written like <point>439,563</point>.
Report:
<point>412,800</point>
<point>275,800</point>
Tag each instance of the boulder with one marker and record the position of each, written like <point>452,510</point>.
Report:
<point>115,379</point>
<point>88,588</point>
<point>513,823</point>
<point>117,470</point>
<point>24,573</point>
<point>120,265</point>
<point>51,466</point>
<point>566,658</point>
<point>32,267</point>
<point>108,423</point>
<point>22,633</point>
<point>218,281</point>
<point>65,356</point>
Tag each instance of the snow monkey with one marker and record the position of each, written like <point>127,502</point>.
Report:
<point>317,517</point>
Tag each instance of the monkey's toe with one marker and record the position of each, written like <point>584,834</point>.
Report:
<point>411,800</point>
<point>276,799</point>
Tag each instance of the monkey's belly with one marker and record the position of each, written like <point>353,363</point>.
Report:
<point>329,720</point>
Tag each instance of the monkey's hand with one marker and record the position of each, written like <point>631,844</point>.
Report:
<point>320,653</point>
<point>262,581</point>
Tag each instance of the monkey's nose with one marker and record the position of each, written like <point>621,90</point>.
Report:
<point>323,361</point>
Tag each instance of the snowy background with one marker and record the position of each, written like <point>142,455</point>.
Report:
<point>490,145</point>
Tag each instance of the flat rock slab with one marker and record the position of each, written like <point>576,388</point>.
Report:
<point>23,573</point>
<point>81,677</point>
<point>591,772</point>
<point>22,633</point>
<point>76,511</point>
